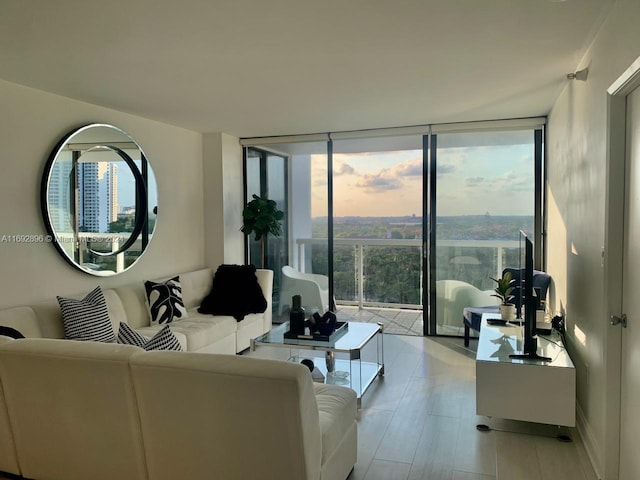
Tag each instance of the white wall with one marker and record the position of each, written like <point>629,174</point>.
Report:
<point>576,223</point>
<point>31,123</point>
<point>223,199</point>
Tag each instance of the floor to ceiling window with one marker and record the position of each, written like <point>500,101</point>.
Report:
<point>378,228</point>
<point>400,219</point>
<point>484,195</point>
<point>294,174</point>
<point>266,175</point>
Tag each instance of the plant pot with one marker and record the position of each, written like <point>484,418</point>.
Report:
<point>508,312</point>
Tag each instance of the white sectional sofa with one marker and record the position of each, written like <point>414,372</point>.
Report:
<point>196,333</point>
<point>73,410</point>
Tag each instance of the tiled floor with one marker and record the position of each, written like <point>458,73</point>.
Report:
<point>403,322</point>
<point>419,423</point>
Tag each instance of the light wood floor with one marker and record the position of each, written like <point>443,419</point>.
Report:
<point>419,423</point>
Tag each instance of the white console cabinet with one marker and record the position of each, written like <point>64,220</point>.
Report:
<point>527,390</point>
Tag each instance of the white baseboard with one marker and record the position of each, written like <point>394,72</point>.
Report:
<point>589,441</point>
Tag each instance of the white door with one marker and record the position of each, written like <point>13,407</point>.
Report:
<point>630,381</point>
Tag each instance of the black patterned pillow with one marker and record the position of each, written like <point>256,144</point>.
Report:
<point>165,300</point>
<point>87,319</point>
<point>163,340</point>
<point>129,336</point>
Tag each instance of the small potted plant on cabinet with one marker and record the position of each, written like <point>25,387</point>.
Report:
<point>503,290</point>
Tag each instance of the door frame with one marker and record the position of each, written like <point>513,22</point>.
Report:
<point>613,260</point>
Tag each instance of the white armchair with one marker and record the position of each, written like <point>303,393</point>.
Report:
<point>313,288</point>
<point>453,296</point>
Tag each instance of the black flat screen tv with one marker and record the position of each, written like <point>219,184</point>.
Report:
<point>528,298</point>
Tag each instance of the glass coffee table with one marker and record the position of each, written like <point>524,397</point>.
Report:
<point>342,363</point>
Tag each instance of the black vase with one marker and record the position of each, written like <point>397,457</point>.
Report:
<point>296,316</point>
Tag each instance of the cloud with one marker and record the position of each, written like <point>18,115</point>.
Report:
<point>507,182</point>
<point>378,182</point>
<point>443,169</point>
<point>343,168</point>
<point>474,181</point>
<point>410,168</point>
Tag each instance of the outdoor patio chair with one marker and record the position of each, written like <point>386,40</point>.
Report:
<point>313,288</point>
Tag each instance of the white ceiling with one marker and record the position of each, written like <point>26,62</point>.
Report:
<point>279,67</point>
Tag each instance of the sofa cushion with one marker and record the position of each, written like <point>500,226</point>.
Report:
<point>165,300</point>
<point>235,291</point>
<point>337,408</point>
<point>201,330</point>
<point>195,286</point>
<point>163,340</point>
<point>23,319</point>
<point>87,319</point>
<point>117,312</point>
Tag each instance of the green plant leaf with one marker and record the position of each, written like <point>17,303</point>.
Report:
<point>262,217</point>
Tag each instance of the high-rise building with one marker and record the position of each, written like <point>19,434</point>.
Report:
<point>97,198</point>
<point>60,196</point>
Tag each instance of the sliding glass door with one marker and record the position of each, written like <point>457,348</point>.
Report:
<point>377,234</point>
<point>484,195</point>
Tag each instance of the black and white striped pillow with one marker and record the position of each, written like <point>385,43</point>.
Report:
<point>163,340</point>
<point>129,336</point>
<point>87,319</point>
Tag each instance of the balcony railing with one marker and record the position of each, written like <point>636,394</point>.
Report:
<point>388,272</point>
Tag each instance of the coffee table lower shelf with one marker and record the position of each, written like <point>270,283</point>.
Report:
<point>360,374</point>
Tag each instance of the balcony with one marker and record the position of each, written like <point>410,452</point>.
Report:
<point>380,280</point>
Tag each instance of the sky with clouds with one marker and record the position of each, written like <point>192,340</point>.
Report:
<point>471,181</point>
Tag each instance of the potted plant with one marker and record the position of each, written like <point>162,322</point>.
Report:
<point>503,290</point>
<point>262,217</point>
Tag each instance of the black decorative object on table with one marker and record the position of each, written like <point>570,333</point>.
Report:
<point>323,325</point>
<point>296,316</point>
<point>339,330</point>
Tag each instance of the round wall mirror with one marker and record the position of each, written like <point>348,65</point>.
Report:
<point>99,199</point>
